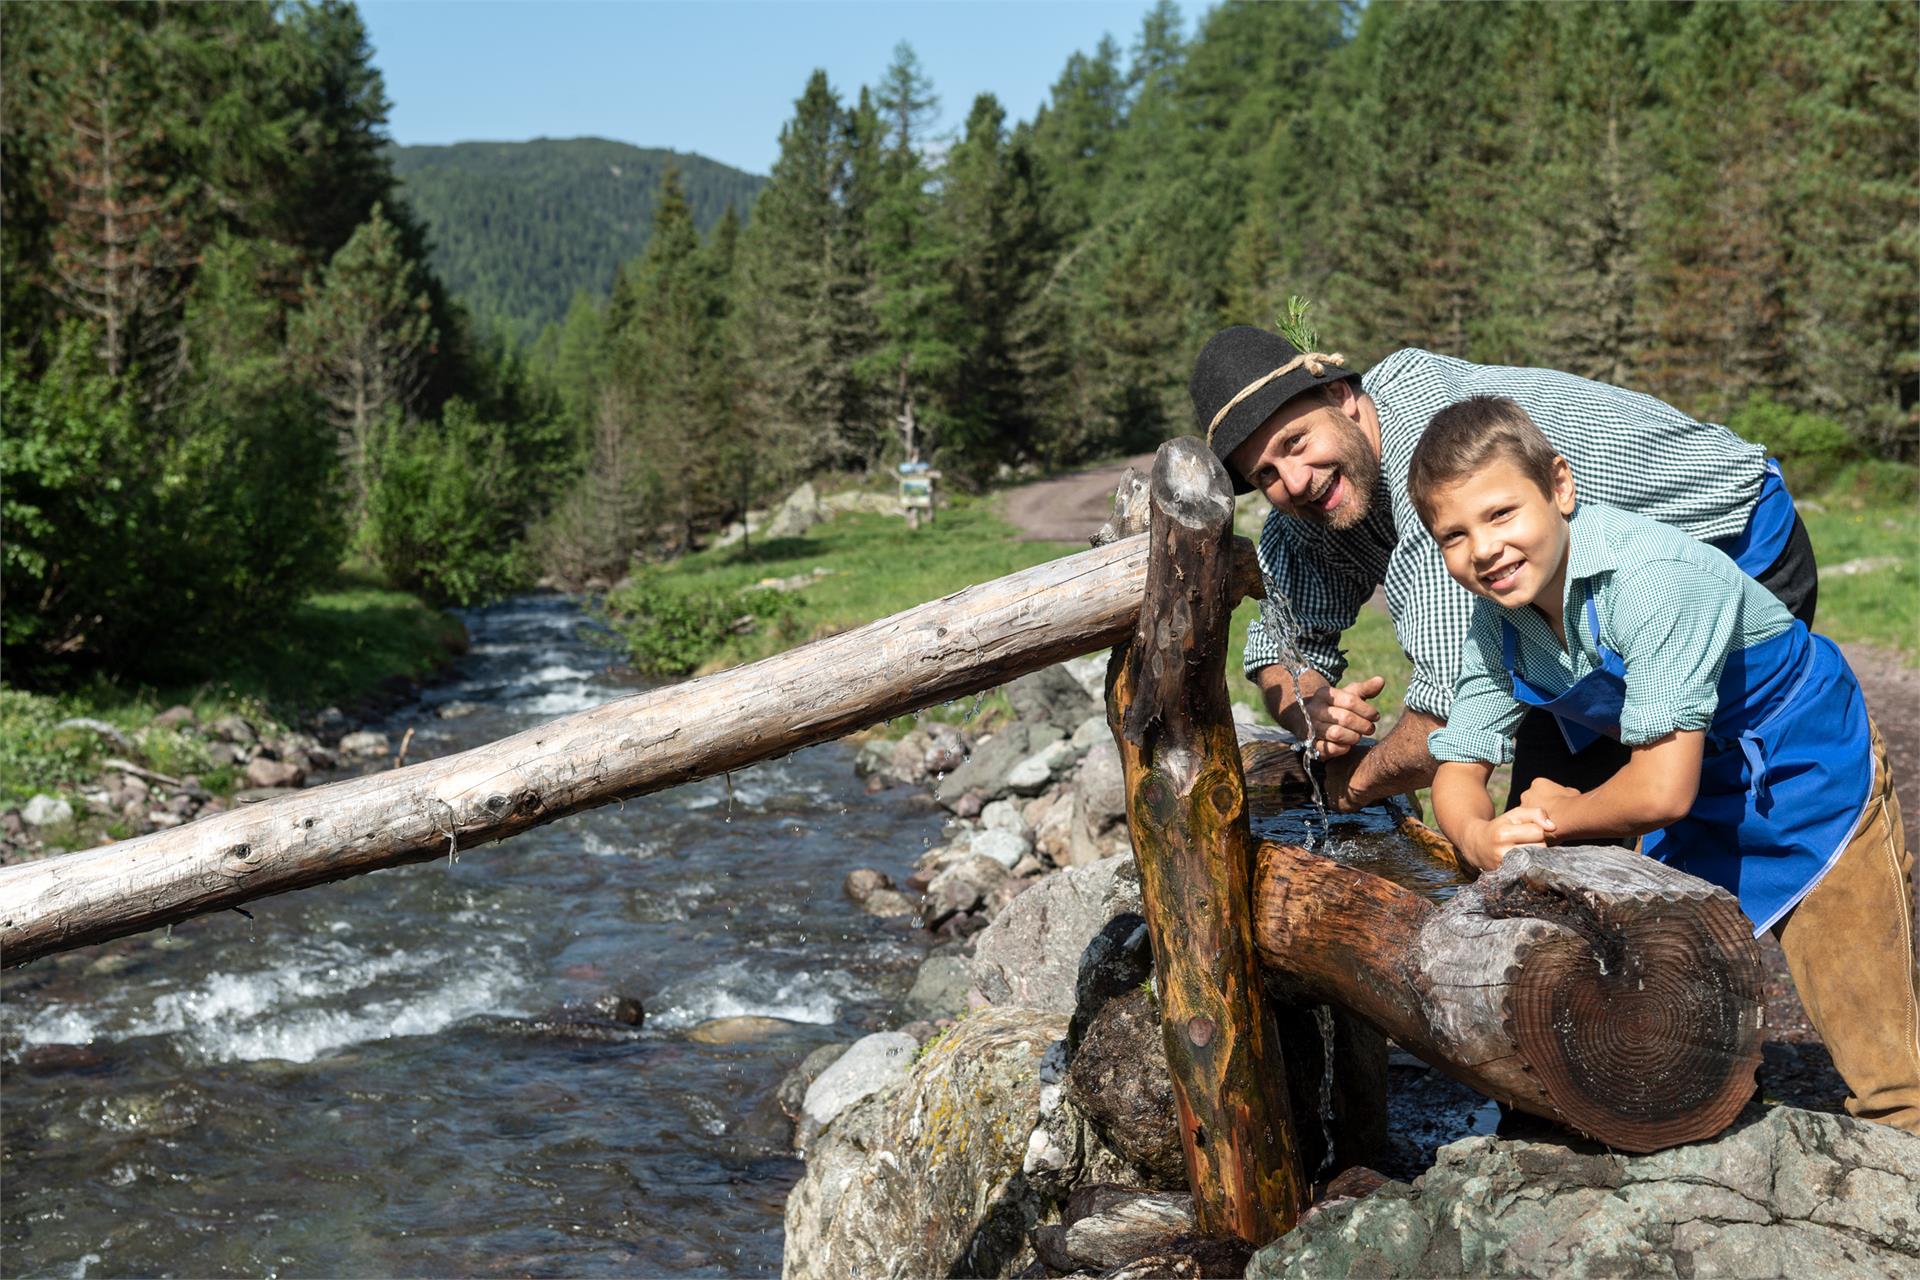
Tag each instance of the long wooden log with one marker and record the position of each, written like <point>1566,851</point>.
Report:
<point>969,641</point>
<point>1592,986</point>
<point>1186,811</point>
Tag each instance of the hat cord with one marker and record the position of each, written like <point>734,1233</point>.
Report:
<point>1316,363</point>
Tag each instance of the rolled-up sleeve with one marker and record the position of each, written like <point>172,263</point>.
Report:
<point>1325,601</point>
<point>1430,617</point>
<point>1484,714</point>
<point>1674,624</point>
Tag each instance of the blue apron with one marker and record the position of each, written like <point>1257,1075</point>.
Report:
<point>1757,546</point>
<point>1787,769</point>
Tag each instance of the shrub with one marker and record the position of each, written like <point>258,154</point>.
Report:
<point>670,630</point>
<point>137,542</point>
<point>443,514</point>
<point>1812,448</point>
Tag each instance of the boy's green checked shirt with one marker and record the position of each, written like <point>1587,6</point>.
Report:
<point>1672,608</point>
<point>1627,450</point>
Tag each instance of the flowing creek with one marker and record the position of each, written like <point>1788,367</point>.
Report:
<point>358,1081</point>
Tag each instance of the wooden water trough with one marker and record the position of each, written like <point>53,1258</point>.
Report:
<point>1588,986</point>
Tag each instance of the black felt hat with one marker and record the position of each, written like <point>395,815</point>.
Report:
<point>1242,376</point>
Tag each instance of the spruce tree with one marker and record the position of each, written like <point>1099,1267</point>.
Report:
<point>364,334</point>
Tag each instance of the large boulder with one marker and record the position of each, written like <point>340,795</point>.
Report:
<point>874,1063</point>
<point>1793,1193</point>
<point>1119,1081</point>
<point>1030,955</point>
<point>1099,827</point>
<point>984,774</point>
<point>1052,696</point>
<point>926,1180</point>
<point>799,513</point>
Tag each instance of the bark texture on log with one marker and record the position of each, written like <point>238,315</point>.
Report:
<point>1186,808</point>
<point>969,641</point>
<point>1592,986</point>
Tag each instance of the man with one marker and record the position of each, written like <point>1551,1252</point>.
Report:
<point>1329,451</point>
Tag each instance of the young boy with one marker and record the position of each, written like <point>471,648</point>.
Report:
<point>1753,762</point>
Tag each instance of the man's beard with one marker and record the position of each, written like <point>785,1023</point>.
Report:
<point>1354,462</point>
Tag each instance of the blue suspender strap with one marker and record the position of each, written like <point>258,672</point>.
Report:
<point>1593,629</point>
<point>1508,642</point>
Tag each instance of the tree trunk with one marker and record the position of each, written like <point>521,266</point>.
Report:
<point>1592,986</point>
<point>973,640</point>
<point>1186,809</point>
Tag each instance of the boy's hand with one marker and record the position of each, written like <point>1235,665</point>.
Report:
<point>1339,717</point>
<point>1489,841</point>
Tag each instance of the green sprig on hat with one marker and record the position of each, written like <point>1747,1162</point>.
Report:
<point>1292,324</point>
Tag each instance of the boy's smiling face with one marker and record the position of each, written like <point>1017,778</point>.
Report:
<point>1503,538</point>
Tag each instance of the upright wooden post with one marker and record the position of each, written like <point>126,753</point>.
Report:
<point>1186,809</point>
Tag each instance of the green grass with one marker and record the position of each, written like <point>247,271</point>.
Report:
<point>1878,537</point>
<point>337,646</point>
<point>875,566</point>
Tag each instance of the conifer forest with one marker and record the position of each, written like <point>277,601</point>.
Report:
<point>229,360</point>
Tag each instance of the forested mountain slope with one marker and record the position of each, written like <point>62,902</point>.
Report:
<point>518,226</point>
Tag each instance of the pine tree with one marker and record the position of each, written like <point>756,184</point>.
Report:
<point>912,295</point>
<point>798,290</point>
<point>364,334</point>
<point>121,245</point>
<point>991,210</point>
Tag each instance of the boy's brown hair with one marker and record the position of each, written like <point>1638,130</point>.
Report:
<point>1464,437</point>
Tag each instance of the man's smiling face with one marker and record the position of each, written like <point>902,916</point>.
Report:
<point>1317,457</point>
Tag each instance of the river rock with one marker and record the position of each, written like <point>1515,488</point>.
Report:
<point>790,1096</point>
<point>984,774</point>
<point>364,744</point>
<point>233,728</point>
<point>1053,831</point>
<point>1004,847</point>
<point>1030,955</point>
<point>46,811</point>
<point>1123,1224</point>
<point>874,1063</point>
<point>1004,815</point>
<point>940,988</point>
<point>862,882</point>
<point>961,887</point>
<point>263,772</point>
<point>875,758</point>
<point>926,1181</point>
<point>1118,1079</point>
<point>173,717</point>
<point>1051,696</point>
<point>947,749</point>
<point>1791,1193</point>
<point>797,514</point>
<point>1033,774</point>
<point>741,1029</point>
<point>887,904</point>
<point>1118,960</point>
<point>1094,729</point>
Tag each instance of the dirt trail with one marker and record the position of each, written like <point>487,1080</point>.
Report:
<point>1069,508</point>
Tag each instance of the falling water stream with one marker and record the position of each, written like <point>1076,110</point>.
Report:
<point>1283,627</point>
<point>364,1079</point>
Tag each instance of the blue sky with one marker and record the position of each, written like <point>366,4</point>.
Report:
<point>715,78</point>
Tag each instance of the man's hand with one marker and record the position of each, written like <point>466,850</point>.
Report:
<point>1542,792</point>
<point>1489,840</point>
<point>1337,781</point>
<point>1338,718</point>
